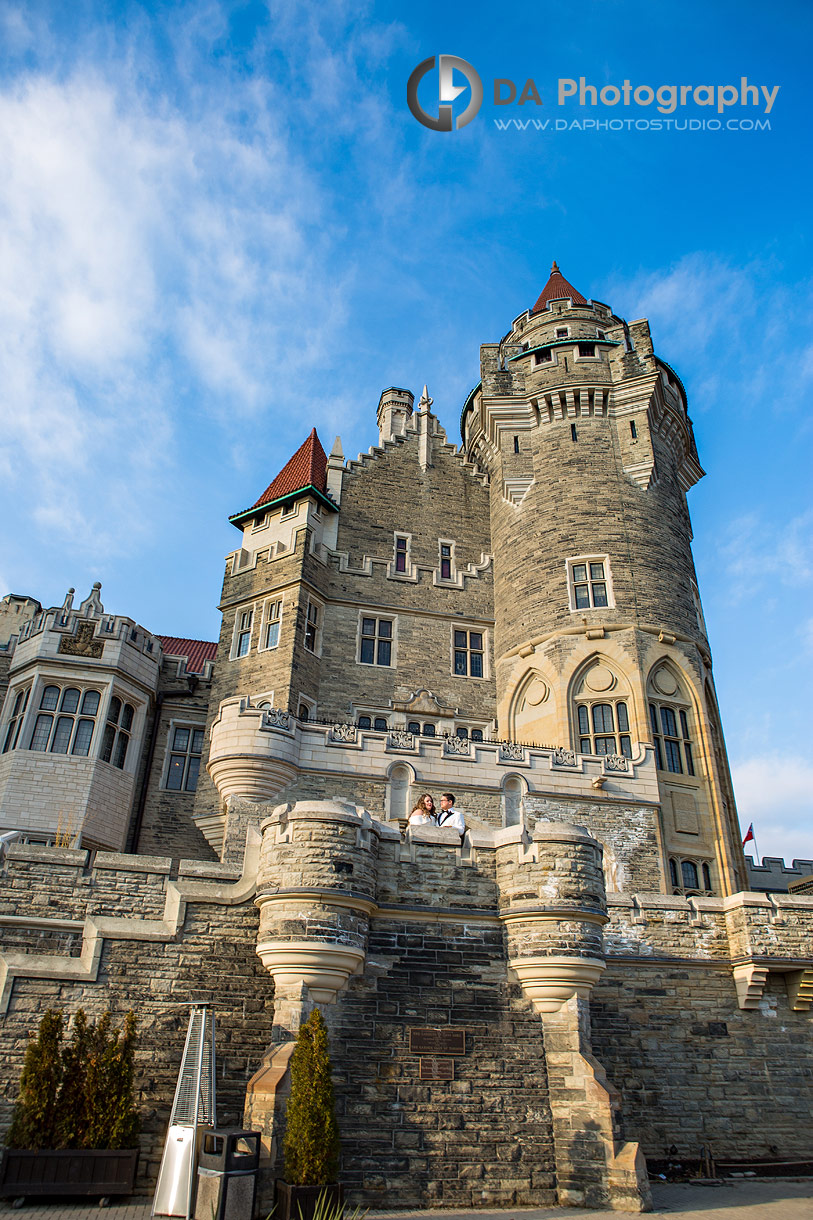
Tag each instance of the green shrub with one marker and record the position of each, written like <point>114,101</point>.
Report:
<point>311,1133</point>
<point>35,1123</point>
<point>77,1093</point>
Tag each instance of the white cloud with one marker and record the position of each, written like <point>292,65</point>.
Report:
<point>775,792</point>
<point>758,554</point>
<point>145,258</point>
<point>705,314</point>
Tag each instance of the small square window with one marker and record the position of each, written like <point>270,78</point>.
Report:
<point>587,350</point>
<point>545,356</point>
<point>288,510</point>
<point>562,332</point>
<point>589,584</point>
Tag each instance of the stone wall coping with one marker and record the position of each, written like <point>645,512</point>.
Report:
<point>507,834</point>
<point>800,901</point>
<point>321,811</point>
<point>212,869</point>
<point>388,830</point>
<point>50,855</point>
<point>561,832</point>
<point>746,898</point>
<point>433,834</point>
<point>41,925</point>
<point>615,899</point>
<point>120,862</point>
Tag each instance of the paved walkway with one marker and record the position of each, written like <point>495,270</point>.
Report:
<point>753,1199</point>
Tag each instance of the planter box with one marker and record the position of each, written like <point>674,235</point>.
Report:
<point>68,1172</point>
<point>291,1200</point>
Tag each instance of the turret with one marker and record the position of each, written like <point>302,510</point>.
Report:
<point>599,636</point>
<point>394,413</point>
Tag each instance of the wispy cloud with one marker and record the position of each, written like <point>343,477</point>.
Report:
<point>761,555</point>
<point>161,265</point>
<point>709,316</point>
<point>775,792</point>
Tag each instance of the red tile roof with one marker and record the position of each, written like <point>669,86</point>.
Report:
<point>197,652</point>
<point>556,288</point>
<point>307,468</point>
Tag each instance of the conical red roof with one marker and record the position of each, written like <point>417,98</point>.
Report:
<point>556,288</point>
<point>307,468</point>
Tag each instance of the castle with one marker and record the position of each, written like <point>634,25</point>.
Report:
<point>519,1016</point>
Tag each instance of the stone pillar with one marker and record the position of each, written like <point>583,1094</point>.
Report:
<point>553,906</point>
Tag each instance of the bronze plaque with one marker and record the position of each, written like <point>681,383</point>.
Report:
<point>444,1041</point>
<point>436,1069</point>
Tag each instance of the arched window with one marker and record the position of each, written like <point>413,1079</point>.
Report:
<point>601,703</point>
<point>673,872</point>
<point>706,877</point>
<point>688,871</point>
<point>669,719</point>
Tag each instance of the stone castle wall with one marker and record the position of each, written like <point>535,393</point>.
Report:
<point>703,1005</point>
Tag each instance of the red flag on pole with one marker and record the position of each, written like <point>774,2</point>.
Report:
<point>749,835</point>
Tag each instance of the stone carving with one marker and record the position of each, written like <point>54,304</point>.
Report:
<point>400,739</point>
<point>456,745</point>
<point>343,732</point>
<point>616,762</point>
<point>276,718</point>
<point>82,644</point>
<point>510,752</point>
<point>563,758</point>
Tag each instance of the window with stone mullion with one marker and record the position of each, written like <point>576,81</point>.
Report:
<point>604,729</point>
<point>376,641</point>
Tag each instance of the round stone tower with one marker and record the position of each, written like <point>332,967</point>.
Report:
<point>553,907</point>
<point>599,641</point>
<point>315,890</point>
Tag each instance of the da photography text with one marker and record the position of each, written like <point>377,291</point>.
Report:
<point>445,92</point>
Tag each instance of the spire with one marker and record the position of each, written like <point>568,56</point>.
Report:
<point>305,470</point>
<point>425,402</point>
<point>556,289</point>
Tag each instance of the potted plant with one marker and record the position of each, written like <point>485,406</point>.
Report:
<point>311,1143</point>
<point>75,1123</point>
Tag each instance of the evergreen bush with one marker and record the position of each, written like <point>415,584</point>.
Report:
<point>79,1092</point>
<point>35,1122</point>
<point>311,1133</point>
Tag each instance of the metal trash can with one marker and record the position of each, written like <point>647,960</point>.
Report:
<point>227,1175</point>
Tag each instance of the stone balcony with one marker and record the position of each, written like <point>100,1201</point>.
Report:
<point>255,753</point>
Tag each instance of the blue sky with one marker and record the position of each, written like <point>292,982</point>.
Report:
<point>220,225</point>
